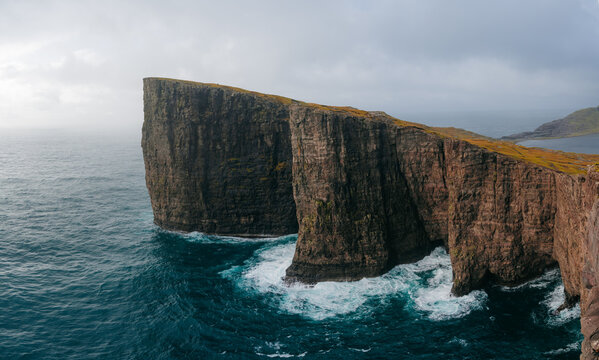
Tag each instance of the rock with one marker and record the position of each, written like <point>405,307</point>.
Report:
<point>500,219</point>
<point>356,215</point>
<point>218,160</point>
<point>371,194</point>
<point>366,191</point>
<point>589,250</point>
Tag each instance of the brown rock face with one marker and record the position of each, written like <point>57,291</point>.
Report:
<point>589,250</point>
<point>500,219</point>
<point>355,212</point>
<point>370,191</point>
<point>217,159</point>
<point>371,194</point>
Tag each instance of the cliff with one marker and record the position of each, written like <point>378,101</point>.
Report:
<point>217,159</point>
<point>370,191</point>
<point>578,123</point>
<point>351,193</point>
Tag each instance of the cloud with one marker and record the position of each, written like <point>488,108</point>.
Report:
<point>80,63</point>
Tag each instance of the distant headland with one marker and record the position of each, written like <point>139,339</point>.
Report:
<point>578,123</point>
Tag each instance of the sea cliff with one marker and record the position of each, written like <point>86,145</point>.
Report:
<point>217,159</point>
<point>366,191</point>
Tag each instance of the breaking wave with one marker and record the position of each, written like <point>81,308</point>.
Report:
<point>199,237</point>
<point>425,286</point>
<point>551,282</point>
<point>553,301</point>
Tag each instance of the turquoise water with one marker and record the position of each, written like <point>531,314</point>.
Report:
<point>84,274</point>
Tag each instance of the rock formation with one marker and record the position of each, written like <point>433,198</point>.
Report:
<point>370,191</point>
<point>349,189</point>
<point>217,159</point>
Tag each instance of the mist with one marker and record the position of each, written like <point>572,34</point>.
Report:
<point>491,67</point>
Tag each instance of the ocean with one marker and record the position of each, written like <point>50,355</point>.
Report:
<point>84,274</point>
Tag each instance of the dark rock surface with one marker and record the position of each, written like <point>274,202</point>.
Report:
<point>355,211</point>
<point>500,217</point>
<point>371,194</point>
<point>218,160</point>
<point>589,249</point>
<point>370,191</point>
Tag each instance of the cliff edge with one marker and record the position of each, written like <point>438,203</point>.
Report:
<point>217,159</point>
<point>366,191</point>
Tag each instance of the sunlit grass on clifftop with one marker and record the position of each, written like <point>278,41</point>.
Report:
<point>277,98</point>
<point>569,163</point>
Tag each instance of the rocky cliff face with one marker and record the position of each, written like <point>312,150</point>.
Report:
<point>589,266</point>
<point>500,217</point>
<point>351,193</point>
<point>370,191</point>
<point>371,194</point>
<point>217,159</point>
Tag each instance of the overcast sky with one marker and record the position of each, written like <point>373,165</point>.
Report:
<point>78,63</point>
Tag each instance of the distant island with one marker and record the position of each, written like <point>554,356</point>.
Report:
<point>578,123</point>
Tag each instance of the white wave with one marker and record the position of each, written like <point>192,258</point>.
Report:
<point>435,297</point>
<point>282,355</point>
<point>198,237</point>
<point>459,341</point>
<point>575,346</point>
<point>553,301</point>
<point>426,283</point>
<point>542,282</point>
<point>276,346</point>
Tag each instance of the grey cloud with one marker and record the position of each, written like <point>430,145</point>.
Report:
<point>398,56</point>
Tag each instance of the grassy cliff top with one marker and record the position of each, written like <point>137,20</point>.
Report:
<point>566,162</point>
<point>570,163</point>
<point>276,98</point>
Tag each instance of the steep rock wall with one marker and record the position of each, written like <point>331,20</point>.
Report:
<point>421,159</point>
<point>355,212</point>
<point>371,191</point>
<point>500,219</point>
<point>589,250</point>
<point>570,230</point>
<point>217,159</point>
<point>371,194</point>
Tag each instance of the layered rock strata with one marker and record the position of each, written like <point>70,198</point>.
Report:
<point>371,194</point>
<point>370,191</point>
<point>589,265</point>
<point>350,191</point>
<point>217,159</point>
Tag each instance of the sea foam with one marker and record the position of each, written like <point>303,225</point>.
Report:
<point>425,286</point>
<point>553,301</point>
<point>199,237</point>
<point>550,282</point>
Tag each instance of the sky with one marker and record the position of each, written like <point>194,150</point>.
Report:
<point>80,64</point>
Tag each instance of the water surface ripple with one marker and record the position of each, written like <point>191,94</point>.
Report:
<point>84,274</point>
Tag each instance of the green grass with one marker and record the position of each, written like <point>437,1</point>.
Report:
<point>586,121</point>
